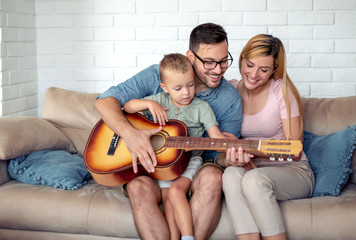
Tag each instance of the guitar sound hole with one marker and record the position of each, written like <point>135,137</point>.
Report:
<point>157,142</point>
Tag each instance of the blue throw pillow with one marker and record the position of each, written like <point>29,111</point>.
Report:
<point>58,169</point>
<point>330,159</point>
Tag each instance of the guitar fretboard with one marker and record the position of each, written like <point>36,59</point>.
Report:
<point>201,143</point>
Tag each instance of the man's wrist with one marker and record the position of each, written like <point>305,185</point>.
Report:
<point>124,128</point>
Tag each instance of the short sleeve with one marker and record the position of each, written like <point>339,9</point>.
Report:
<point>277,91</point>
<point>207,116</point>
<point>143,84</point>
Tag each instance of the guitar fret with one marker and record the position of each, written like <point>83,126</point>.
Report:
<point>209,143</point>
<point>201,143</point>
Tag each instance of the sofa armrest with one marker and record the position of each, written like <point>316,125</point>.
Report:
<point>23,135</point>
<point>4,175</point>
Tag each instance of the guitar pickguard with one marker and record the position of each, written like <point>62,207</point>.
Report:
<point>113,145</point>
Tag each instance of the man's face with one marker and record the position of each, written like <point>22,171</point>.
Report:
<point>208,52</point>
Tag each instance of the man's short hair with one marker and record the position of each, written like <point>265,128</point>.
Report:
<point>207,33</point>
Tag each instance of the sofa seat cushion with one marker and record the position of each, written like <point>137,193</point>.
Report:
<point>104,211</point>
<point>334,217</point>
<point>11,234</point>
<point>92,209</point>
<point>324,217</point>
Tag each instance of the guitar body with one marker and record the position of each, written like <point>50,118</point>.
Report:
<point>110,163</point>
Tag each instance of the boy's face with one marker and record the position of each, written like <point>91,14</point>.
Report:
<point>209,52</point>
<point>180,86</point>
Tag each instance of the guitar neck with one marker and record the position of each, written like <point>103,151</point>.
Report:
<point>201,143</point>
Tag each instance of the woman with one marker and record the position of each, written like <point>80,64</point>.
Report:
<point>272,109</point>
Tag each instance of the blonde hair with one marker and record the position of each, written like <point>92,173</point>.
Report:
<point>174,62</point>
<point>266,45</point>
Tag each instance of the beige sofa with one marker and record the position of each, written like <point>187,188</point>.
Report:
<point>100,212</point>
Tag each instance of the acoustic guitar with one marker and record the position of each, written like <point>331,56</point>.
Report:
<point>109,161</point>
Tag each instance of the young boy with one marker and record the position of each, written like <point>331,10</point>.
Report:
<point>178,102</point>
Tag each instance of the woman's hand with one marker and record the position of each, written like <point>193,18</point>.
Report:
<point>237,157</point>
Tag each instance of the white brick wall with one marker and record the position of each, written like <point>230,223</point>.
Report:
<point>89,45</point>
<point>19,88</point>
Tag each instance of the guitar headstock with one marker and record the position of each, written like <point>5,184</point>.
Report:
<point>282,150</point>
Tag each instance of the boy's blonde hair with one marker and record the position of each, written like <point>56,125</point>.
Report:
<point>174,62</point>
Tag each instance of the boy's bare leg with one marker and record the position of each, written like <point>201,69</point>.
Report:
<point>145,196</point>
<point>206,200</point>
<point>169,214</point>
<point>182,211</point>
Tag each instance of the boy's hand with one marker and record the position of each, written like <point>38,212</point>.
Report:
<point>158,112</point>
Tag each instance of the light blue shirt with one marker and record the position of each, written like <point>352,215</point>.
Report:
<point>225,100</point>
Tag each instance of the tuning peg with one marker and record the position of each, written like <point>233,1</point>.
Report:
<point>289,159</point>
<point>280,159</point>
<point>272,158</point>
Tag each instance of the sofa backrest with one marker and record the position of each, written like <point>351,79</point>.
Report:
<point>74,114</point>
<point>71,112</point>
<point>323,116</point>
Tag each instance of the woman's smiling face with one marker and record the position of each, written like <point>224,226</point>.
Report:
<point>256,72</point>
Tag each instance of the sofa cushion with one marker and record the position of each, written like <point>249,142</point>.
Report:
<point>330,159</point>
<point>23,135</point>
<point>58,169</point>
<point>93,209</point>
<point>70,109</point>
<point>324,116</point>
<point>72,112</point>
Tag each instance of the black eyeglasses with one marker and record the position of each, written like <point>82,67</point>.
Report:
<point>210,65</point>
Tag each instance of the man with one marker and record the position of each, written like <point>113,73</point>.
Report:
<point>208,53</point>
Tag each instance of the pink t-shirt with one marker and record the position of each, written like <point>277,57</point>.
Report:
<point>267,124</point>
